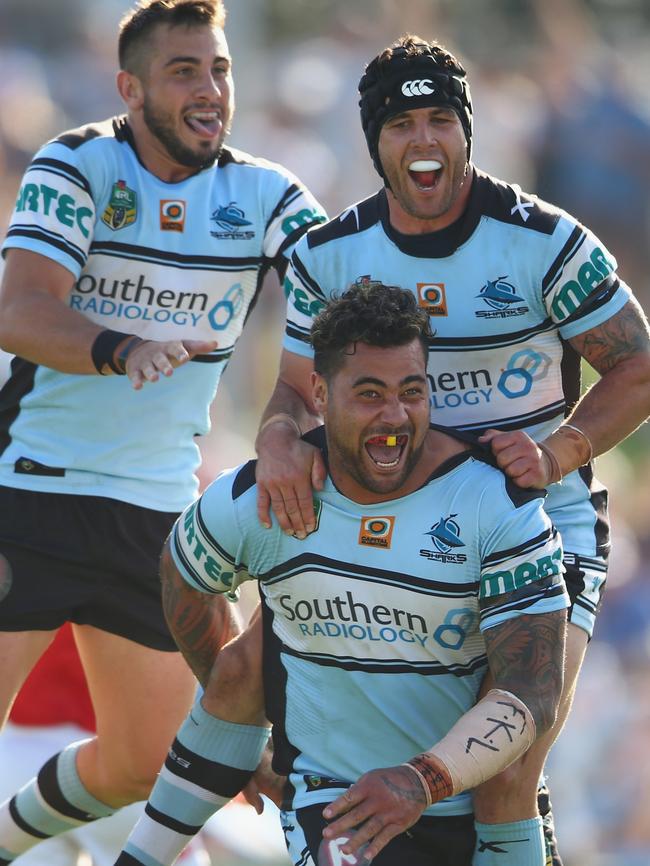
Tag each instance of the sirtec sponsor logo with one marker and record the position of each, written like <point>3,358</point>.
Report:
<point>41,198</point>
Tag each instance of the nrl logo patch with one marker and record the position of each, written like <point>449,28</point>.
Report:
<point>122,207</point>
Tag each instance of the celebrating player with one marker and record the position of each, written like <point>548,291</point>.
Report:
<point>427,565</point>
<point>134,253</point>
<point>517,292</point>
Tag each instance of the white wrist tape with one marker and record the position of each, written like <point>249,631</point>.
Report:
<point>486,739</point>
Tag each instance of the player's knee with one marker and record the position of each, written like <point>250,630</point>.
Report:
<point>128,777</point>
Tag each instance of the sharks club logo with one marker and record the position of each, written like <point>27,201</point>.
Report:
<point>445,536</point>
<point>502,299</point>
<point>232,220</point>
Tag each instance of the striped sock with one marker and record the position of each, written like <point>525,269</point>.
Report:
<point>51,803</point>
<point>520,843</point>
<point>210,761</point>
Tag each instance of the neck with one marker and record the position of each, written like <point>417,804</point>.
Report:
<point>408,224</point>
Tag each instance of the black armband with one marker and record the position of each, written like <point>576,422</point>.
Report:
<point>103,350</point>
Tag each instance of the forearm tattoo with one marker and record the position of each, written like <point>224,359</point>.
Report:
<point>526,657</point>
<point>200,624</point>
<point>409,788</point>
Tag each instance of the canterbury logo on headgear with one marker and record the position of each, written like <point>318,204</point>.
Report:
<point>418,87</point>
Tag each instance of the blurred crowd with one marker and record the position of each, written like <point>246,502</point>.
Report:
<point>562,108</point>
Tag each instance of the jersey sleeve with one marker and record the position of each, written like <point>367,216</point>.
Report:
<point>305,300</point>
<point>207,544</point>
<point>581,288</point>
<point>521,564</point>
<point>54,213</point>
<point>295,212</point>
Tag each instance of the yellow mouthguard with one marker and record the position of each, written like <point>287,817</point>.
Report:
<point>391,440</point>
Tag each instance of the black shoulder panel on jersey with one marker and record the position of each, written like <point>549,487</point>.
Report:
<point>232,155</point>
<point>74,138</point>
<point>355,219</point>
<point>317,437</point>
<point>521,495</point>
<point>244,479</point>
<point>509,204</point>
<point>227,156</point>
<point>517,495</point>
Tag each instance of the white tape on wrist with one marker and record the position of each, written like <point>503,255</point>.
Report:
<point>486,739</point>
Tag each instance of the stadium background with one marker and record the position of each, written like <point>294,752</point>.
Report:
<point>561,107</point>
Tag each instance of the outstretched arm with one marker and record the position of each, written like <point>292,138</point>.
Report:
<point>37,324</point>
<point>525,657</point>
<point>288,469</point>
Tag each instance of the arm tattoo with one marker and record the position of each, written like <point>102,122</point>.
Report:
<point>526,657</point>
<point>200,624</point>
<point>410,789</point>
<point>617,339</point>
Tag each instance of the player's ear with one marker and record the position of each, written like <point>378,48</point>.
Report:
<point>319,392</point>
<point>130,89</point>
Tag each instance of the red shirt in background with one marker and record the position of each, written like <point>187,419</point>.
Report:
<point>55,692</point>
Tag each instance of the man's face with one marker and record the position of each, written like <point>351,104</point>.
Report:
<point>188,95</point>
<point>424,156</point>
<point>376,411</point>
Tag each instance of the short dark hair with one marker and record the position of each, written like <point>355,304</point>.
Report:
<point>137,25</point>
<point>368,312</point>
<point>387,87</point>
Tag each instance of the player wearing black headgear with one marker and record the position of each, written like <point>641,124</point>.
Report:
<point>519,290</point>
<point>412,73</point>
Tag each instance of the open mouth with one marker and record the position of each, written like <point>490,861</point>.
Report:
<point>207,124</point>
<point>425,173</point>
<point>386,450</point>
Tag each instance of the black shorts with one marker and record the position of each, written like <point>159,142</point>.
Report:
<point>430,842</point>
<point>90,560</point>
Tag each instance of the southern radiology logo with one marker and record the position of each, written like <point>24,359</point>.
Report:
<point>376,531</point>
<point>515,378</point>
<point>232,220</point>
<point>445,535</point>
<point>502,299</point>
<point>140,298</point>
<point>121,210</point>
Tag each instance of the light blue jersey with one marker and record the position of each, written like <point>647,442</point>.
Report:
<point>374,623</point>
<point>505,287</point>
<point>161,260</point>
